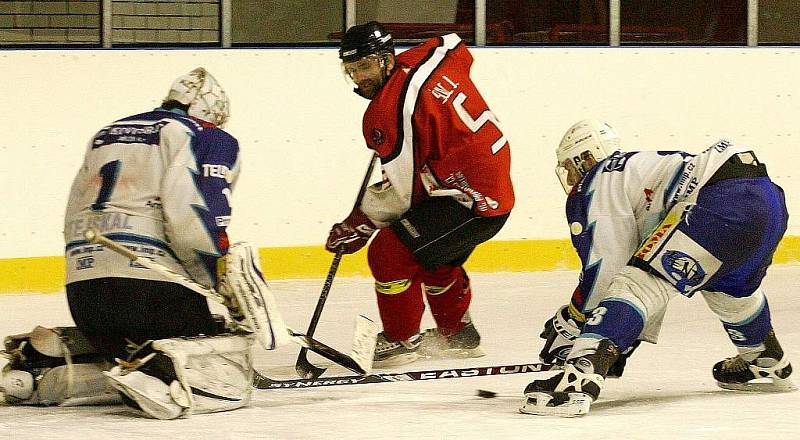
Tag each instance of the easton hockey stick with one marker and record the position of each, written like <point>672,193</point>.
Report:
<point>265,383</point>
<point>364,326</point>
<point>303,367</point>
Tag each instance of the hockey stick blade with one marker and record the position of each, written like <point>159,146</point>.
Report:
<point>329,353</point>
<point>265,383</point>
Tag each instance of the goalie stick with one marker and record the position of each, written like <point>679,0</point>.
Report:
<point>303,366</point>
<point>265,383</point>
<point>359,362</point>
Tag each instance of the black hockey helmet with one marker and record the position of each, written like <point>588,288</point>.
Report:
<point>365,39</point>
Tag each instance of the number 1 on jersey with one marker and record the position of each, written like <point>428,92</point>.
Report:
<point>108,174</point>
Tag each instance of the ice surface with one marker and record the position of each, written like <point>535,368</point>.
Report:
<point>667,391</point>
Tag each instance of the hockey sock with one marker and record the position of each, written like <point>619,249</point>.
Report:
<point>400,305</point>
<point>449,294</point>
<point>746,320</point>
<point>615,319</point>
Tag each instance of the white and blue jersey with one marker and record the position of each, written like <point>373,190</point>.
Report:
<point>708,222</point>
<point>620,203</point>
<point>159,183</point>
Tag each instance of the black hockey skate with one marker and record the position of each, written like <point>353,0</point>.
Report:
<point>393,353</point>
<point>464,344</point>
<point>768,371</point>
<point>570,392</point>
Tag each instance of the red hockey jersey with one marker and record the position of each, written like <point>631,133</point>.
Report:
<point>436,136</point>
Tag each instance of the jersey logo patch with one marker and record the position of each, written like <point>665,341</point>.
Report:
<point>377,137</point>
<point>684,270</point>
<point>615,163</point>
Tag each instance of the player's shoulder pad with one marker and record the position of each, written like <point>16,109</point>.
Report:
<point>216,145</point>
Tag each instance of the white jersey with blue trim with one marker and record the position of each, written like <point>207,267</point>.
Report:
<point>621,201</point>
<point>160,184</point>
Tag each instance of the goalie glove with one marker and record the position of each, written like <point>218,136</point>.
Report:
<point>352,234</point>
<point>559,334</point>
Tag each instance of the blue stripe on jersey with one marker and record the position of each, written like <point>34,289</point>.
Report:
<point>215,153</point>
<point>129,238</point>
<point>578,205</point>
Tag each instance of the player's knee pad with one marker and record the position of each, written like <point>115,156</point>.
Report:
<point>54,366</point>
<point>647,293</point>
<point>176,377</point>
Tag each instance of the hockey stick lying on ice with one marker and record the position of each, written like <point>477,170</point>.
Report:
<point>264,383</point>
<point>360,360</point>
<point>303,366</point>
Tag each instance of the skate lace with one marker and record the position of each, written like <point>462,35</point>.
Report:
<point>383,345</point>
<point>735,364</point>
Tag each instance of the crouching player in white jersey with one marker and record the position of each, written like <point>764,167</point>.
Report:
<point>649,226</point>
<point>159,183</point>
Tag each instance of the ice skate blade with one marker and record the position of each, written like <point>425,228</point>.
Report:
<point>458,353</point>
<point>396,361</point>
<point>556,404</point>
<point>761,386</point>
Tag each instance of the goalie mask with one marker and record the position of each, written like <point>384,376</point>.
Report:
<point>584,145</point>
<point>204,96</point>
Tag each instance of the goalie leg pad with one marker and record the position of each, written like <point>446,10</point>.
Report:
<point>65,385</point>
<point>54,366</point>
<point>252,304</point>
<point>48,347</point>
<point>146,393</point>
<point>183,376</point>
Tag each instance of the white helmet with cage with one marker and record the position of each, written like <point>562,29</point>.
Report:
<point>586,143</point>
<point>204,96</point>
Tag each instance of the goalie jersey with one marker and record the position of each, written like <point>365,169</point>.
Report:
<point>436,136</point>
<point>622,200</point>
<point>160,184</point>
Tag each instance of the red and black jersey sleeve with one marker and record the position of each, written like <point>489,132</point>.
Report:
<point>434,132</point>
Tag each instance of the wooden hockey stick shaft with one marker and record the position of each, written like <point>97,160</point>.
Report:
<point>303,366</point>
<point>305,341</point>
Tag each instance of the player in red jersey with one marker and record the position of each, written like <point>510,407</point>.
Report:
<point>446,188</point>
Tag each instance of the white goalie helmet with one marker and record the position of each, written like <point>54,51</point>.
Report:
<point>585,143</point>
<point>204,96</point>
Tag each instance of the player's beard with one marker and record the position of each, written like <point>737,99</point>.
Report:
<point>368,88</point>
